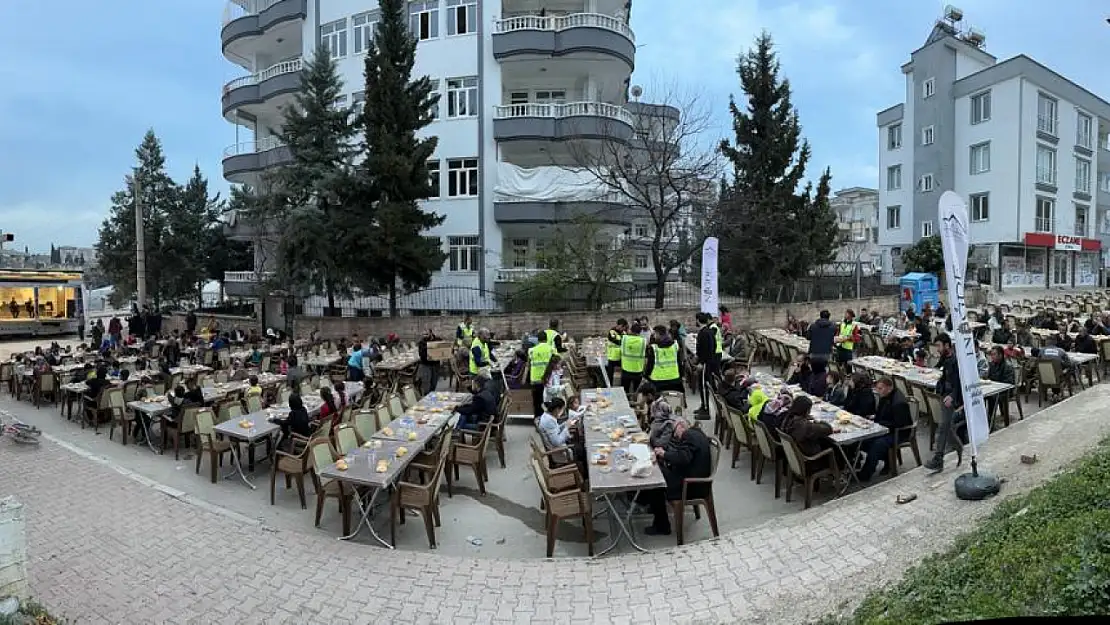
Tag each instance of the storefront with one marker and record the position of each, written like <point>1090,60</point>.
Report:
<point>1022,267</point>
<point>1050,260</point>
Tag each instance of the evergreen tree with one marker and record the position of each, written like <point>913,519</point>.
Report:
<point>188,242</point>
<point>394,173</point>
<point>770,234</point>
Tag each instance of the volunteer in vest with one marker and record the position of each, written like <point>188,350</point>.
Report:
<point>663,365</point>
<point>553,337</point>
<point>613,350</point>
<point>633,348</point>
<point>708,349</point>
<point>539,356</point>
<point>480,355</point>
<point>847,335</point>
<point>464,334</point>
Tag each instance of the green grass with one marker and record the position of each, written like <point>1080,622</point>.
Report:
<point>1041,554</point>
<point>35,611</point>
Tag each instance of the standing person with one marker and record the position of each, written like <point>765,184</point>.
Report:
<point>355,371</point>
<point>705,351</point>
<point>662,365</point>
<point>633,352</point>
<point>554,337</point>
<point>480,355</point>
<point>848,334</point>
<point>538,358</point>
<point>821,335</point>
<point>464,334</point>
<point>428,372</point>
<point>952,399</point>
<point>191,321</point>
<point>115,332</point>
<point>726,319</point>
<point>97,334</point>
<point>613,350</point>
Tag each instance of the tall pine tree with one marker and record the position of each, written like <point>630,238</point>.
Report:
<point>770,235</point>
<point>394,172</point>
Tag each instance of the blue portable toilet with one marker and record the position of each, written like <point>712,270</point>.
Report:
<point>916,290</point>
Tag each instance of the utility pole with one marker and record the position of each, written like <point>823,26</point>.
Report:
<point>140,244</point>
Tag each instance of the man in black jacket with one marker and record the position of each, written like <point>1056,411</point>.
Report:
<point>893,412</point>
<point>952,399</point>
<point>427,373</point>
<point>821,335</point>
<point>687,455</point>
<point>708,361</point>
<point>482,405</point>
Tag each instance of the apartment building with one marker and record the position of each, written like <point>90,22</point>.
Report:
<point>1023,145</point>
<point>521,82</point>
<point>857,215</point>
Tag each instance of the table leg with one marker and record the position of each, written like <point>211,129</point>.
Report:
<point>237,466</point>
<point>851,464</point>
<point>622,526</point>
<point>365,510</point>
<point>146,430</point>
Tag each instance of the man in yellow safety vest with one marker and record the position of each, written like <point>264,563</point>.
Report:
<point>663,364</point>
<point>613,350</point>
<point>553,337</point>
<point>539,356</point>
<point>481,358</point>
<point>464,334</point>
<point>847,335</point>
<point>633,348</point>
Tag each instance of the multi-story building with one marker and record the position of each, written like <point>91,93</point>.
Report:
<point>1023,145</point>
<point>857,215</point>
<point>523,84</point>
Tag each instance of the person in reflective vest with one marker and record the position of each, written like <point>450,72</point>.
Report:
<point>464,334</point>
<point>539,357</point>
<point>663,363</point>
<point>633,348</point>
<point>847,335</point>
<point>613,349</point>
<point>480,355</point>
<point>553,337</point>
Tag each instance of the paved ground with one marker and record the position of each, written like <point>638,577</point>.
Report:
<point>108,548</point>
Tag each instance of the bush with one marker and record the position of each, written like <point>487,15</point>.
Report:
<point>30,613</point>
<point>1046,553</point>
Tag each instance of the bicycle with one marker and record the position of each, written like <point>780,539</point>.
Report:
<point>20,432</point>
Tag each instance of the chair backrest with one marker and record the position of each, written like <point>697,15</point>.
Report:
<point>936,409</point>
<point>254,403</point>
<point>676,400</point>
<point>396,408</point>
<point>365,424</point>
<point>222,376</point>
<point>265,364</point>
<point>130,390</point>
<point>320,453</point>
<point>901,384</point>
<point>792,453</point>
<point>383,416</point>
<point>346,439</point>
<point>204,421</point>
<point>115,398</point>
<point>763,437</point>
<point>714,455</point>
<point>1050,372</point>
<point>46,381</point>
<point>408,395</point>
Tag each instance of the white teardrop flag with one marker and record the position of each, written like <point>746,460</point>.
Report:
<point>709,276</point>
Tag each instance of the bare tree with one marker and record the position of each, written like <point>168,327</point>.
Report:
<point>664,172</point>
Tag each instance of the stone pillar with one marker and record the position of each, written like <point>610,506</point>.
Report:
<point>13,549</point>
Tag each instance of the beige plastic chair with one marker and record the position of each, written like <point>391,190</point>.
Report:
<point>209,443</point>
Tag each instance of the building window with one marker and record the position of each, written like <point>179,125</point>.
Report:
<point>424,19</point>
<point>362,30</point>
<point>557,96</point>
<point>433,179</point>
<point>981,107</point>
<point>980,158</point>
<point>340,102</point>
<point>462,177</point>
<point>893,177</point>
<point>1082,175</point>
<point>462,97</point>
<point>641,231</point>
<point>893,217</point>
<point>980,207</point>
<point>358,101</point>
<point>926,183</point>
<point>641,261</point>
<point>1046,165</point>
<point>1043,218</point>
<point>928,88</point>
<point>435,242</point>
<point>894,137</point>
<point>1047,114</point>
<point>927,134</point>
<point>462,17</point>
<point>926,228</point>
<point>464,253</point>
<point>520,253</point>
<point>1104,182</point>
<point>518,98</point>
<point>1081,213</point>
<point>1083,130</point>
<point>435,91</point>
<point>541,245</point>
<point>333,36</point>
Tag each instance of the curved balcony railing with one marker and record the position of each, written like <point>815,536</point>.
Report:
<point>247,276</point>
<point>253,147</point>
<point>561,111</point>
<point>557,23</point>
<point>285,67</point>
<point>242,8</point>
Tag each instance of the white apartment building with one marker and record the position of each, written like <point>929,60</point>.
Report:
<point>1026,147</point>
<point>857,215</point>
<point>519,80</point>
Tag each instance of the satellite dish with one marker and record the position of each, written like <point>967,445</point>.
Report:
<point>637,91</point>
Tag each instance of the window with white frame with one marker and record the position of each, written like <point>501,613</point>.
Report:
<point>551,96</point>
<point>518,98</point>
<point>980,158</point>
<point>462,17</point>
<point>1047,116</point>
<point>893,217</point>
<point>333,36</point>
<point>1104,182</point>
<point>462,177</point>
<point>981,107</point>
<point>424,19</point>
<point>641,230</point>
<point>927,135</point>
<point>340,102</point>
<point>462,97</point>
<point>520,253</point>
<point>435,91</point>
<point>1046,165</point>
<point>641,261</point>
<point>980,205</point>
<point>1084,126</point>
<point>541,246</point>
<point>926,228</point>
<point>1043,218</point>
<point>894,178</point>
<point>926,183</point>
<point>894,136</point>
<point>433,179</point>
<point>1082,213</point>
<point>928,88</point>
<point>362,30</point>
<point>358,101</point>
<point>464,253</point>
<point>1082,175</point>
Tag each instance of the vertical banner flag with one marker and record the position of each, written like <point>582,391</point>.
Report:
<point>952,212</point>
<point>709,276</point>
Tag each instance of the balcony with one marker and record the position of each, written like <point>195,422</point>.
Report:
<point>273,26</point>
<point>517,274</point>
<point>243,162</point>
<point>1044,224</point>
<point>1104,153</point>
<point>262,94</point>
<point>562,122</point>
<point>589,36</point>
<point>244,283</point>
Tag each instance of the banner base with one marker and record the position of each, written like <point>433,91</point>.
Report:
<point>976,486</point>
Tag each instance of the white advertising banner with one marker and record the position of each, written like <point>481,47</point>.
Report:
<point>952,212</point>
<point>709,274</point>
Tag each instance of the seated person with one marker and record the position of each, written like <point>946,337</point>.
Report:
<point>95,385</point>
<point>687,455</point>
<point>775,411</point>
<point>555,433</point>
<point>1053,351</point>
<point>860,400</point>
<point>514,371</point>
<point>1085,343</point>
<point>329,410</point>
<point>482,405</point>
<point>893,412</point>
<point>734,390</point>
<point>836,389</point>
<point>810,435</point>
<point>297,421</point>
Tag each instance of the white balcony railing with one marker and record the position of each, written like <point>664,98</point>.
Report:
<point>242,8</point>
<point>1046,175</point>
<point>253,147</point>
<point>285,67</point>
<point>513,274</point>
<point>560,111</point>
<point>1047,123</point>
<point>557,23</point>
<point>1044,224</point>
<point>246,276</point>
